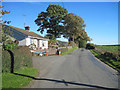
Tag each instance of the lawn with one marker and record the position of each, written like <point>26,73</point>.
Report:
<point>10,80</point>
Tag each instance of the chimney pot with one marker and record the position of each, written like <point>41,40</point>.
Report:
<point>27,28</point>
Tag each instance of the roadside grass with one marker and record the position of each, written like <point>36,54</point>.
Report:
<point>10,80</point>
<point>111,62</point>
<point>70,50</point>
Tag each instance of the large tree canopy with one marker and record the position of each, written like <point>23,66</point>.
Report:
<point>56,21</point>
<point>73,26</point>
<point>51,20</point>
<point>74,29</point>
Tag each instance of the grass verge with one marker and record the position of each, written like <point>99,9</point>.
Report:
<point>112,63</point>
<point>10,80</point>
<point>70,50</point>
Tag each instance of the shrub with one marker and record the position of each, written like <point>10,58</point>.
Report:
<point>32,46</point>
<point>6,61</point>
<point>82,44</point>
<point>108,54</point>
<point>10,46</point>
<point>111,55</point>
<point>22,58</point>
<point>90,46</point>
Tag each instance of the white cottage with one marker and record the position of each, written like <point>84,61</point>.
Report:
<point>27,38</point>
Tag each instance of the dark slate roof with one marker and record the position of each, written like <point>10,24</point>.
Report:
<point>26,32</point>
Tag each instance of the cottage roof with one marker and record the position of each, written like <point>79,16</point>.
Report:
<point>26,32</point>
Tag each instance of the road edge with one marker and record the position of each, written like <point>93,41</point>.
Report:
<point>103,62</point>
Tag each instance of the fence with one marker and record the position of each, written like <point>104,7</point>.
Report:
<point>65,47</point>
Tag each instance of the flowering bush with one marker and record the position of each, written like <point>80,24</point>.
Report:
<point>10,45</point>
<point>32,46</point>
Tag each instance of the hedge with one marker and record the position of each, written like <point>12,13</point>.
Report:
<point>22,58</point>
<point>90,46</point>
<point>82,44</point>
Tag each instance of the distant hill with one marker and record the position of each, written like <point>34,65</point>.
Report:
<point>109,45</point>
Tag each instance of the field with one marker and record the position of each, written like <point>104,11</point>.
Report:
<point>110,48</point>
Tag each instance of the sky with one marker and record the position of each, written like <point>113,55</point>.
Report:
<point>101,18</point>
<point>61,0</point>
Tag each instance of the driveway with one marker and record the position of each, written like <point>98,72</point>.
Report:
<point>79,69</point>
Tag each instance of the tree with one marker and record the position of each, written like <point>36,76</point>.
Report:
<point>73,26</point>
<point>6,42</point>
<point>74,29</point>
<point>3,12</point>
<point>50,37</point>
<point>51,20</point>
<point>82,41</point>
<point>3,29</point>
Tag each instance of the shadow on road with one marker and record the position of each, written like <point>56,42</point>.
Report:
<point>66,82</point>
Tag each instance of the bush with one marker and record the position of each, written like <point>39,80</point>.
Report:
<point>82,44</point>
<point>111,56</point>
<point>6,61</point>
<point>108,54</point>
<point>90,46</point>
<point>10,46</point>
<point>22,58</point>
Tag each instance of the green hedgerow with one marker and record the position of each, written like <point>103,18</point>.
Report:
<point>22,58</point>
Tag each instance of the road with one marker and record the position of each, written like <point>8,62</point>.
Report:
<point>79,69</point>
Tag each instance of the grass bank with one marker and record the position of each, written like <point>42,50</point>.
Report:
<point>107,59</point>
<point>10,80</point>
<point>69,50</point>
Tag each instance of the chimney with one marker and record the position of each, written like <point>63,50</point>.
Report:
<point>27,28</point>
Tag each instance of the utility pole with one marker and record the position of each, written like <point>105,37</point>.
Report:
<point>24,19</point>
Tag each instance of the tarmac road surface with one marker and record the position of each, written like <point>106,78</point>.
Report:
<point>79,69</point>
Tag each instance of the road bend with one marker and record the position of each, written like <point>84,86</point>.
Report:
<point>79,69</point>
